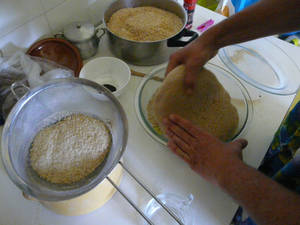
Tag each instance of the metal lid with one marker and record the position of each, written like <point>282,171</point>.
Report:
<point>263,65</point>
<point>79,31</point>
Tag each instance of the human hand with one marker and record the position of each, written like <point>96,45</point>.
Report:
<point>193,56</point>
<point>206,154</point>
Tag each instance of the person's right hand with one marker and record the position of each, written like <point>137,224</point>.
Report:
<point>193,56</point>
<point>206,154</point>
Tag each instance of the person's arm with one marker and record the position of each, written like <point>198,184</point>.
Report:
<point>266,201</point>
<point>267,17</point>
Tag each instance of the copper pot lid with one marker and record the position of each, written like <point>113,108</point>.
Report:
<point>264,66</point>
<point>58,50</point>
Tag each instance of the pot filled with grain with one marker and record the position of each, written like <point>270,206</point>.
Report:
<point>61,140</point>
<point>146,32</point>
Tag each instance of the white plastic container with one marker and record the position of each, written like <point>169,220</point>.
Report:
<point>107,71</point>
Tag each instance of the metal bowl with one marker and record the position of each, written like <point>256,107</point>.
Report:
<point>148,52</point>
<point>45,105</point>
<point>240,98</point>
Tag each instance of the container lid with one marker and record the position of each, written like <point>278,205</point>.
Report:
<point>263,65</point>
<point>79,31</point>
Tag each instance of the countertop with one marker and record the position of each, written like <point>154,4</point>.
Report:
<point>156,166</point>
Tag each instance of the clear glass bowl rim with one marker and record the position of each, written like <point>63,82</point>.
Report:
<point>147,126</point>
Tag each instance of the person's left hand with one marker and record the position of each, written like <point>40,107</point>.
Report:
<point>206,154</point>
<point>193,56</point>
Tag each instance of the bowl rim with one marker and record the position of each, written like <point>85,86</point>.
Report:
<point>75,50</point>
<point>162,140</point>
<point>113,60</point>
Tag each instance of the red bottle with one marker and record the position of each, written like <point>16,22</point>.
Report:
<point>189,6</point>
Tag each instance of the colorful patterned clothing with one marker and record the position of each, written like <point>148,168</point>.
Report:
<point>281,162</point>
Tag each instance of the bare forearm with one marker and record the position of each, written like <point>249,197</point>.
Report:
<point>266,201</point>
<point>267,17</point>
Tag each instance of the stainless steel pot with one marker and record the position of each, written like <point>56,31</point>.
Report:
<point>147,53</point>
<point>84,36</point>
<point>46,104</point>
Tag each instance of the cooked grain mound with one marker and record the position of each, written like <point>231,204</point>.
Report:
<point>209,107</point>
<point>144,23</point>
<point>71,149</point>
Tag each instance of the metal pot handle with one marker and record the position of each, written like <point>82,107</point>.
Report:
<point>59,35</point>
<point>97,32</point>
<point>16,85</point>
<point>176,42</point>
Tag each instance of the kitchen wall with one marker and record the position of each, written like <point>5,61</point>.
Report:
<point>22,22</point>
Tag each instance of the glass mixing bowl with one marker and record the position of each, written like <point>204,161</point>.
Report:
<point>45,105</point>
<point>240,98</point>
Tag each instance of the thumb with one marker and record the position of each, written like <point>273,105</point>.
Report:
<point>190,77</point>
<point>239,144</point>
<point>174,61</point>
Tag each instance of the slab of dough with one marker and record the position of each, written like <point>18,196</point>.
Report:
<point>71,149</point>
<point>209,106</point>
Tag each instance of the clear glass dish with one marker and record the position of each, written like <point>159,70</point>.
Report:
<point>264,66</point>
<point>240,98</point>
<point>179,205</point>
